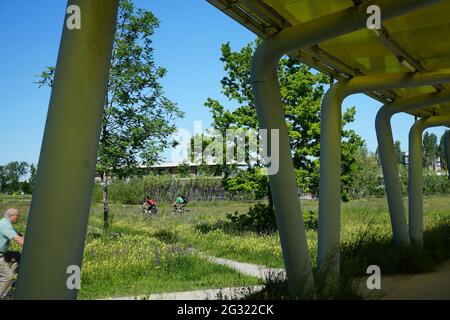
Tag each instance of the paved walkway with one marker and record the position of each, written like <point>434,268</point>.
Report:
<point>424,286</point>
<point>249,269</point>
<point>427,286</point>
<point>213,294</point>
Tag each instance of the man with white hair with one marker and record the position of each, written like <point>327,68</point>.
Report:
<point>8,260</point>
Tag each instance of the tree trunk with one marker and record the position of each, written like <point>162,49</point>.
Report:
<point>105,202</point>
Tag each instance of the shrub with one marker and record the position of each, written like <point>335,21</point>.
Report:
<point>260,218</point>
<point>310,219</point>
<point>434,183</point>
<point>97,195</point>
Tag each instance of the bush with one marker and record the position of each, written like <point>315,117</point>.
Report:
<point>261,219</point>
<point>310,219</point>
<point>97,193</point>
<point>434,183</point>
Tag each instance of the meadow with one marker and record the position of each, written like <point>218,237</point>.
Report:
<point>141,255</point>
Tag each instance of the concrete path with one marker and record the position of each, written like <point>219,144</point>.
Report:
<point>248,269</point>
<point>424,286</point>
<point>427,286</point>
<point>213,294</point>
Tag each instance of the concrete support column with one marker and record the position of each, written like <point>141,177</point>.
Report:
<point>284,193</point>
<point>392,184</point>
<point>388,158</point>
<point>330,183</point>
<point>268,104</point>
<point>330,153</point>
<point>416,182</point>
<point>416,174</point>
<point>57,223</point>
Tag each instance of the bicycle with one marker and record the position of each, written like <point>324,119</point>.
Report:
<point>152,210</point>
<point>181,209</point>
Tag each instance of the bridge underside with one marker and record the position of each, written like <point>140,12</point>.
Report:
<point>405,64</point>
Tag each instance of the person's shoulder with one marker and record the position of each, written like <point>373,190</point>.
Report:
<point>3,223</point>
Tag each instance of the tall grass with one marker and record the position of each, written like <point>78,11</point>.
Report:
<point>143,255</point>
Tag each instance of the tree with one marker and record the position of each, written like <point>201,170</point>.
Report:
<point>398,152</point>
<point>2,179</point>
<point>365,176</point>
<point>138,119</point>
<point>441,152</point>
<point>11,175</point>
<point>32,179</point>
<point>184,169</point>
<point>28,186</point>
<point>430,149</point>
<point>302,92</point>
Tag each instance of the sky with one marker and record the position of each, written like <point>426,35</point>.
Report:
<point>187,43</point>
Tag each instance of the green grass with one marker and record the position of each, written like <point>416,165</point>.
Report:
<point>147,255</point>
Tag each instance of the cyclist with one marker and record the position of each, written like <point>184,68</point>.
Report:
<point>180,203</point>
<point>150,205</point>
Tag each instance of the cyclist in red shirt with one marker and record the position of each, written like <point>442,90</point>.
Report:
<point>150,205</point>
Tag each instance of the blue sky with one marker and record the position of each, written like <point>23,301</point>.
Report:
<point>187,44</point>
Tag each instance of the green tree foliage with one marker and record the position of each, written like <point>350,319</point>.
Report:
<point>302,92</point>
<point>32,180</point>
<point>441,152</point>
<point>250,182</point>
<point>261,219</point>
<point>430,150</point>
<point>434,183</point>
<point>366,175</point>
<point>138,119</point>
<point>11,176</point>
<point>184,169</point>
<point>2,179</point>
<point>398,152</point>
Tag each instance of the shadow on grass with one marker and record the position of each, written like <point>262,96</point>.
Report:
<point>370,248</point>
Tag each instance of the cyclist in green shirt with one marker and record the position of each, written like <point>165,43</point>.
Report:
<point>180,203</point>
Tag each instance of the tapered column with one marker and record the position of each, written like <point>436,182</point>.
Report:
<point>415,200</point>
<point>388,157</point>
<point>284,193</point>
<point>56,229</point>
<point>330,184</point>
<point>416,173</point>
